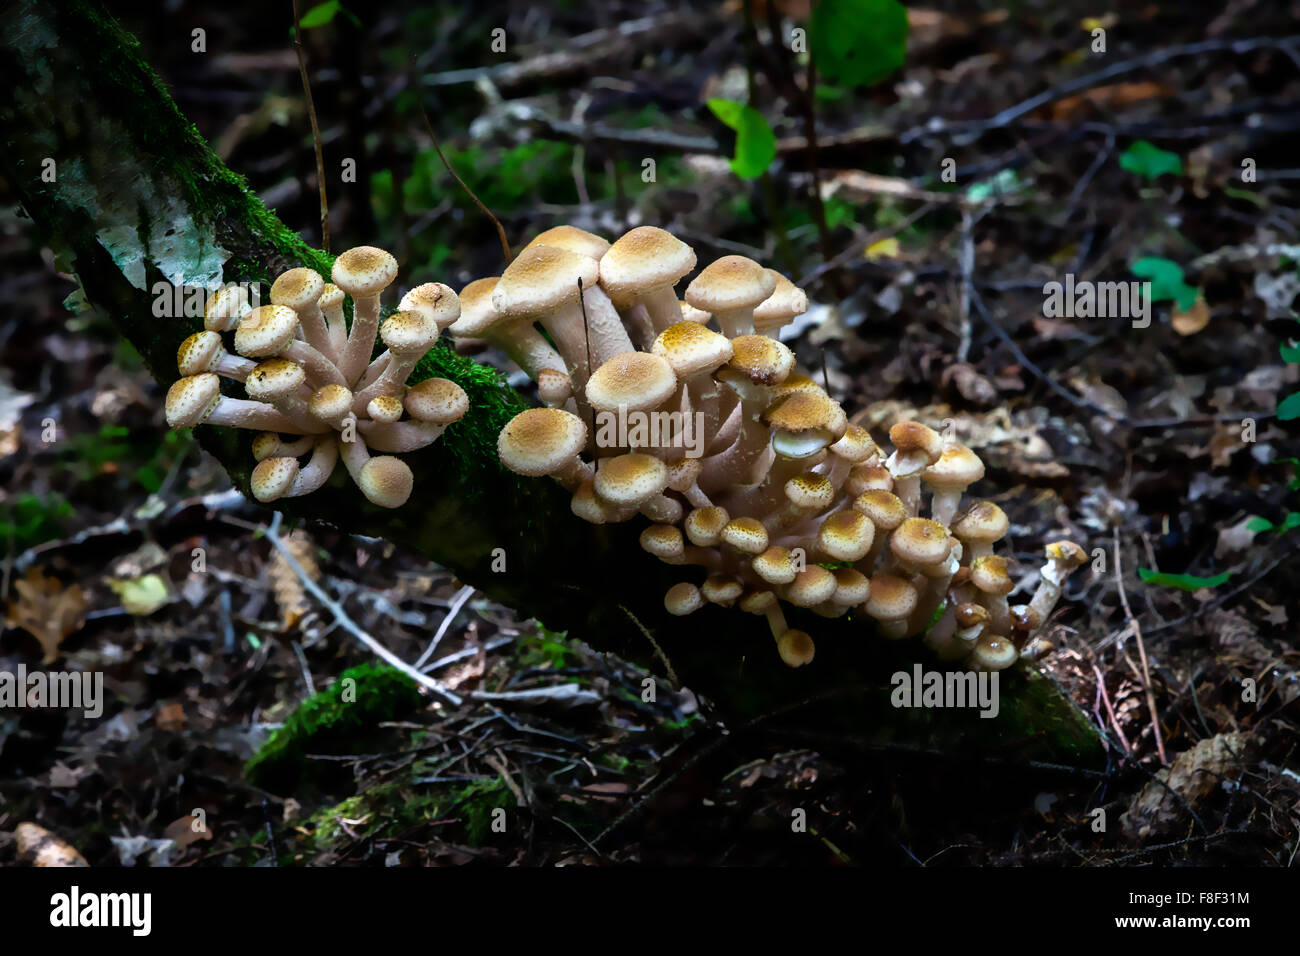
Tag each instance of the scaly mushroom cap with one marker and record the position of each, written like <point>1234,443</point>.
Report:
<point>864,478</point>
<point>408,333</point>
<point>384,408</point>
<point>732,282</point>
<point>273,477</point>
<point>786,301</point>
<point>192,399</point>
<point>884,508</point>
<point>917,440</point>
<point>855,444</point>
<point>805,423</point>
<point>684,472</point>
<point>989,574</point>
<point>720,589</point>
<point>541,280</point>
<point>984,522</point>
<point>297,288</point>
<point>266,331</point>
<point>225,308</point>
<point>810,587</point>
<point>796,382</point>
<point>364,271</point>
<point>477,313</point>
<point>692,314</point>
<point>644,258</point>
<point>972,615</point>
<point>810,490</point>
<point>331,297</point>
<point>1066,553</point>
<point>796,648</point>
<point>553,386</point>
<point>852,587</point>
<point>664,541</point>
<point>330,402</point>
<point>892,598</point>
<point>704,526</point>
<point>920,541</point>
<point>762,360</point>
<point>993,652</point>
<point>746,535</point>
<point>682,599</point>
<point>199,352</point>
<point>956,470</point>
<point>631,479</point>
<point>588,506</point>
<point>439,400</point>
<point>846,535</point>
<point>541,441</point>
<point>690,347</point>
<point>274,379</point>
<point>639,380</point>
<point>436,302</point>
<point>758,602</point>
<point>386,481</point>
<point>573,239</point>
<point>776,565</point>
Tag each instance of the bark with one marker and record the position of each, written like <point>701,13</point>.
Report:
<point>139,196</point>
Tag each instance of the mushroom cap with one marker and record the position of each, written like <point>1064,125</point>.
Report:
<point>436,302</point>
<point>811,586</point>
<point>364,271</point>
<point>265,444</point>
<point>892,598</point>
<point>266,331</point>
<point>721,589</point>
<point>984,522</point>
<point>796,648</point>
<point>199,352</point>
<point>408,333</point>
<point>846,535</point>
<point>386,481</point>
<point>910,437</point>
<point>631,479</point>
<point>1025,619</point>
<point>297,288</point>
<point>226,307</point>
<point>553,386</point>
<point>810,490</point>
<point>805,423</point>
<point>274,379</point>
<point>692,314</point>
<point>573,239</point>
<point>855,444</point>
<point>852,587</point>
<point>664,541</point>
<point>330,402</point>
<point>885,509</point>
<point>477,313</point>
<point>690,347</point>
<point>438,400</point>
<point>957,469</point>
<point>864,478</point>
<point>542,279</point>
<point>992,652</point>
<point>758,602</point>
<point>684,472</point>
<point>589,507</point>
<point>1066,553</point>
<point>704,525</point>
<point>644,258</point>
<point>638,380</point>
<point>786,301</point>
<point>331,297</point>
<point>384,408</point>
<point>729,283</point>
<point>762,360</point>
<point>541,441</point>
<point>192,399</point>
<point>989,574</point>
<point>920,541</point>
<point>746,535</point>
<point>683,598</point>
<point>776,565</point>
<point>972,615</point>
<point>796,382</point>
<point>272,478</point>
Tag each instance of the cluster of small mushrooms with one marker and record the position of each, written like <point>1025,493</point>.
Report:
<point>788,500</point>
<point>307,375</point>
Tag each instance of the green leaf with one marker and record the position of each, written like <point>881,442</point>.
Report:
<point>1258,524</point>
<point>1166,278</point>
<point>858,42</point>
<point>1290,353</point>
<point>320,15</point>
<point>1149,161</point>
<point>1292,520</point>
<point>1005,182</point>
<point>1183,582</point>
<point>755,141</point>
<point>1289,407</point>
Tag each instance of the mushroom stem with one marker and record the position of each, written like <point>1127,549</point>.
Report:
<point>245,413</point>
<point>608,336</point>
<point>320,370</point>
<point>400,436</point>
<point>361,339</point>
<point>374,370</point>
<point>324,457</point>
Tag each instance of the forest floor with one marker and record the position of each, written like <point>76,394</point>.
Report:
<point>1154,447</point>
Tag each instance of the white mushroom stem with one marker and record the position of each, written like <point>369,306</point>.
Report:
<point>1051,580</point>
<point>933,593</point>
<point>233,366</point>
<point>736,464</point>
<point>361,339</point>
<point>277,447</point>
<point>944,504</point>
<point>391,381</point>
<point>730,414</point>
<point>374,369</point>
<point>608,336</point>
<point>526,347</point>
<point>399,437</point>
<point>246,413</point>
<point>906,471</point>
<point>338,329</point>
<point>355,454</point>
<point>565,326</point>
<point>662,305</point>
<point>311,322</point>
<point>324,457</point>
<point>640,327</point>
<point>320,370</point>
<point>734,322</point>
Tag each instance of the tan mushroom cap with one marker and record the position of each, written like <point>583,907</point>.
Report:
<point>330,402</point>
<point>989,574</point>
<point>541,280</point>
<point>572,239</point>
<point>631,479</point>
<point>796,648</point>
<point>384,408</point>
<point>199,352</point>
<point>721,589</point>
<point>972,615</point>
<point>541,441</point>
<point>1066,553</point>
<point>746,535</point>
<point>805,423</point>
<point>863,478</point>
<point>272,478</point>
<point>408,333</point>
<point>810,490</point>
<point>386,481</point>
<point>957,469</point>
<point>909,437</point>
<point>846,535</point>
<point>892,598</point>
<point>920,541</point>
<point>331,297</point>
<point>690,348</point>
<point>776,565</point>
<point>984,521</point>
<point>226,307</point>
<point>1025,619</point>
<point>192,399</point>
<point>439,400</point>
<point>692,314</point>
<point>704,525</point>
<point>684,472</point>
<point>762,360</point>
<point>758,602</point>
<point>732,282</point>
<point>274,379</point>
<point>810,587</point>
<point>553,386</point>
<point>786,301</point>
<point>588,506</point>
<point>297,288</point>
<point>852,587</point>
<point>664,541</point>
<point>796,382</point>
<point>855,444</point>
<point>885,509</point>
<point>477,313</point>
<point>644,258</point>
<point>638,380</point>
<point>265,331</point>
<point>992,652</point>
<point>436,302</point>
<point>682,599</point>
<point>364,271</point>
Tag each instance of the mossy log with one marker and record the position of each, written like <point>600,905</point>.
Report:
<point>119,181</point>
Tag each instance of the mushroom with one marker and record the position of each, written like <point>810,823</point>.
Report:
<point>633,381</point>
<point>226,307</point>
<point>811,586</point>
<point>282,477</point>
<point>363,273</point>
<point>633,480</point>
<point>545,441</point>
<point>271,445</point>
<point>993,652</point>
<point>916,447</point>
<point>384,480</point>
<point>956,470</point>
<point>268,332</point>
<point>682,599</point>
<point>981,525</point>
<point>280,383</point>
<point>197,400</point>
<point>757,364</point>
<point>642,267</point>
<point>704,526</point>
<point>796,648</point>
<point>729,289</point>
<point>892,601</point>
<point>846,536</point>
<point>515,336</point>
<point>205,352</point>
<point>695,353</point>
<point>778,309</point>
<point>331,306</point>
<point>990,577</point>
<point>572,239</point>
<point>408,335</point>
<point>300,289</point>
<point>1063,557</point>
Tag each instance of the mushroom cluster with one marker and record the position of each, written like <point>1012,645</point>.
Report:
<point>311,386</point>
<point>759,481</point>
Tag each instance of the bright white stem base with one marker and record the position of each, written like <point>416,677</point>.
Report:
<point>361,340</point>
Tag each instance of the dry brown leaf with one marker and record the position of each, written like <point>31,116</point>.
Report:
<point>47,610</point>
<point>182,832</point>
<point>1193,320</point>
<point>40,847</point>
<point>1109,98</point>
<point>1193,776</point>
<point>170,716</point>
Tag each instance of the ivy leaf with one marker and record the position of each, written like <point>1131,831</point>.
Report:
<point>858,42</point>
<point>1166,278</point>
<point>1150,161</point>
<point>319,15</point>
<point>1183,582</point>
<point>1289,407</point>
<point>755,141</point>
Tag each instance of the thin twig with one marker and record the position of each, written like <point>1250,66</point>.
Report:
<point>967,260</point>
<point>458,602</point>
<point>315,130</point>
<point>1136,630</point>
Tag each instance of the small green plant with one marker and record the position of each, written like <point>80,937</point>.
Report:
<point>1167,282</point>
<point>755,141</point>
<point>1150,161</point>
<point>30,519</point>
<point>1183,582</point>
<point>1292,518</point>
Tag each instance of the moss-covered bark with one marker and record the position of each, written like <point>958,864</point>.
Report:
<point>139,196</point>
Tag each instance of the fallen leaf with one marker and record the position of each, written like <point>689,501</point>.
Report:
<point>884,249</point>
<point>186,830</point>
<point>1109,98</point>
<point>43,848</point>
<point>47,610</point>
<point>1193,320</point>
<point>141,596</point>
